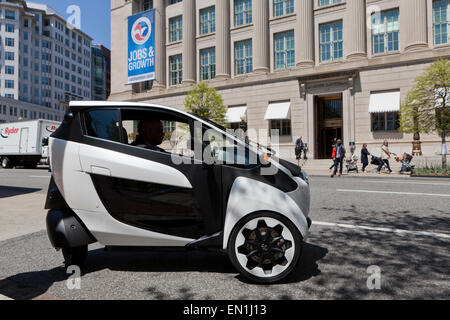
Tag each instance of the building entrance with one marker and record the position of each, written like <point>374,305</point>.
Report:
<point>329,124</point>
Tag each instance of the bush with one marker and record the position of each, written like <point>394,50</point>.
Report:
<point>433,171</point>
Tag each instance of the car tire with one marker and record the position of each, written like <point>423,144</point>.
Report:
<point>6,163</point>
<point>255,252</point>
<point>75,256</point>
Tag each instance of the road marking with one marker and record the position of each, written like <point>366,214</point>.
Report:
<point>392,192</point>
<point>396,231</point>
<point>411,182</point>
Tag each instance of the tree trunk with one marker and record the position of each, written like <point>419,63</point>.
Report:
<point>444,156</point>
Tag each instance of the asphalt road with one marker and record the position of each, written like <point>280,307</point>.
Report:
<point>400,226</point>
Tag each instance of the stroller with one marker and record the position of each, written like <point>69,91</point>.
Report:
<point>352,164</point>
<point>376,161</point>
<point>406,159</point>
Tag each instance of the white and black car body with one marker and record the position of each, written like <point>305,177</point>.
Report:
<point>123,196</point>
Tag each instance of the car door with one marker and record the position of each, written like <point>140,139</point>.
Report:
<point>165,192</point>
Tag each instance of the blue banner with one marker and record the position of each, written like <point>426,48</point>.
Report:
<point>141,47</point>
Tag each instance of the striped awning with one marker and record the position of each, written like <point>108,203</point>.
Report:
<point>384,102</point>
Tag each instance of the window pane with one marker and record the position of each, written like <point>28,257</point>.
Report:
<point>103,124</point>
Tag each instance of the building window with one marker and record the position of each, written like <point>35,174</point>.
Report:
<point>9,84</point>
<point>441,13</point>
<point>243,57</point>
<point>242,12</point>
<point>9,69</point>
<point>9,42</point>
<point>208,20</point>
<point>385,121</point>
<point>9,56</point>
<point>147,5</point>
<point>174,1</point>
<point>331,43</point>
<point>284,46</point>
<point>176,70</point>
<point>208,64</point>
<point>282,7</point>
<point>176,29</point>
<point>10,14</point>
<point>9,28</point>
<point>284,127</point>
<point>385,30</point>
<point>328,2</point>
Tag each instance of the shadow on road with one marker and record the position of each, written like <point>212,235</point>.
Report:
<point>7,192</point>
<point>29,285</point>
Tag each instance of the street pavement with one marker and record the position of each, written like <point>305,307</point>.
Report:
<point>400,226</point>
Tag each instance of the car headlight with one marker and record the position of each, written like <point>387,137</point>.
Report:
<point>304,177</point>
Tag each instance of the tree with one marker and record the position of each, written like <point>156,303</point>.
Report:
<point>427,106</point>
<point>205,102</point>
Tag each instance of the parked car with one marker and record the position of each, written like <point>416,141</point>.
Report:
<point>25,143</point>
<point>110,185</point>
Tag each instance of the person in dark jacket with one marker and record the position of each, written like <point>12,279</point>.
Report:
<point>364,157</point>
<point>299,147</point>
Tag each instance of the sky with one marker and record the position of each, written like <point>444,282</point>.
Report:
<point>95,17</point>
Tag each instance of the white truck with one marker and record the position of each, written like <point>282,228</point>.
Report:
<point>25,143</point>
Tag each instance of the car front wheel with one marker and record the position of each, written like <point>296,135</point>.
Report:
<point>265,247</point>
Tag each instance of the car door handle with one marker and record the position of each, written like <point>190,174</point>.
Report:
<point>100,171</point>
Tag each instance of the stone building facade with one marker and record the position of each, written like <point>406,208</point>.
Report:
<point>313,68</point>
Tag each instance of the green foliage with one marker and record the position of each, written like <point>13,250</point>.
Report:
<point>427,106</point>
<point>431,170</point>
<point>205,102</point>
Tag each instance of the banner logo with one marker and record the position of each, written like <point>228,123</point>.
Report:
<point>141,30</point>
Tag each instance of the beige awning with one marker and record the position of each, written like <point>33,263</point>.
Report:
<point>236,114</point>
<point>278,111</point>
<point>384,102</point>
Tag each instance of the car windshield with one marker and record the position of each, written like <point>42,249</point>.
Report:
<point>257,145</point>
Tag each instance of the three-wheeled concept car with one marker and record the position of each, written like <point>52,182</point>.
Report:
<point>135,175</point>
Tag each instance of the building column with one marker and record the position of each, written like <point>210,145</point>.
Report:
<point>413,21</point>
<point>189,42</point>
<point>160,42</point>
<point>304,33</point>
<point>261,46</point>
<point>223,58</point>
<point>355,29</point>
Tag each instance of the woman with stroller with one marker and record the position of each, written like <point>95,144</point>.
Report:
<point>364,157</point>
<point>385,156</point>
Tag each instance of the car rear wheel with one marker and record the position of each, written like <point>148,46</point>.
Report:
<point>75,256</point>
<point>6,163</point>
<point>265,247</point>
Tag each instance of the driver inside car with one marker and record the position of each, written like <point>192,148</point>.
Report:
<point>151,135</point>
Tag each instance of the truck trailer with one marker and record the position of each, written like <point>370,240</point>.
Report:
<point>25,143</point>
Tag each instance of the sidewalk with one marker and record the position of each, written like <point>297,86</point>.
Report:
<point>321,168</point>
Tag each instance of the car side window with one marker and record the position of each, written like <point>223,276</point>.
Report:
<point>103,124</point>
<point>157,131</point>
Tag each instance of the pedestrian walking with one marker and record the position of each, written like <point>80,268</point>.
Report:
<point>333,153</point>
<point>299,147</point>
<point>364,157</point>
<point>339,160</point>
<point>385,156</point>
